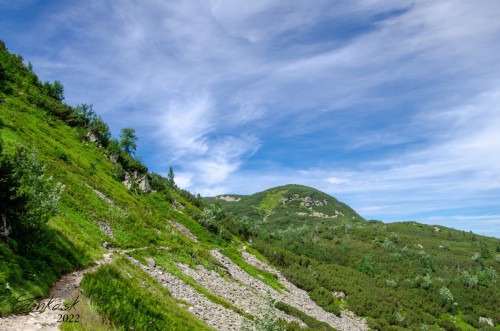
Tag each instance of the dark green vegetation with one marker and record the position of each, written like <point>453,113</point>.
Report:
<point>399,275</point>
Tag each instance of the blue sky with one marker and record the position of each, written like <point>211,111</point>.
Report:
<point>391,106</point>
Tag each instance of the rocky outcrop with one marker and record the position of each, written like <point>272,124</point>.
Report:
<point>316,214</point>
<point>5,228</point>
<point>142,182</point>
<point>309,202</point>
<point>305,201</point>
<point>288,199</point>
<point>92,137</point>
<point>485,320</point>
<point>228,198</point>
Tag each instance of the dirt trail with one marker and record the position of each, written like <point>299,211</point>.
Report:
<point>49,319</point>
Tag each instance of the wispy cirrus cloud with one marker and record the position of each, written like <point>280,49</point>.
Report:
<point>391,106</point>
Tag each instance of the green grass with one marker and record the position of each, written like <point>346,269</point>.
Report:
<point>134,300</point>
<point>269,203</point>
<point>88,317</point>
<point>311,322</point>
<point>320,255</point>
<point>167,260</point>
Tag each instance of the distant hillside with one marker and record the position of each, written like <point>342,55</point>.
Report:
<point>399,275</point>
<point>287,205</point>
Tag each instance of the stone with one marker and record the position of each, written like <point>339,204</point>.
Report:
<point>339,295</point>
<point>92,137</point>
<point>151,262</point>
<point>485,320</point>
<point>143,184</point>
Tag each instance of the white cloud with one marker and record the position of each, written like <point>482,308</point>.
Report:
<point>184,125</point>
<point>337,180</point>
<point>409,90</point>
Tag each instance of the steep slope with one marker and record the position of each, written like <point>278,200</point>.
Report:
<point>173,263</point>
<point>398,275</point>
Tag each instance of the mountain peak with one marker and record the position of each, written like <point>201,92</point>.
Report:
<point>290,202</point>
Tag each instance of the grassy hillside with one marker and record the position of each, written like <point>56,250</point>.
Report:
<point>93,198</point>
<point>400,275</point>
<point>71,148</point>
<point>288,206</point>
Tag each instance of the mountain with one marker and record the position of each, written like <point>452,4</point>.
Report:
<point>289,205</point>
<point>91,240</point>
<point>398,275</point>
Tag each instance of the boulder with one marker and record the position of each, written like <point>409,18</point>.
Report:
<point>151,262</point>
<point>485,320</point>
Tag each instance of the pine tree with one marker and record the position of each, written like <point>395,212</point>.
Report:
<point>128,140</point>
<point>170,179</point>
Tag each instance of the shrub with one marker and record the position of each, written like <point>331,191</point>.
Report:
<point>28,197</point>
<point>448,325</point>
<point>366,266</point>
<point>324,298</point>
<point>300,277</point>
<point>267,318</point>
<point>392,283</point>
<point>446,295</point>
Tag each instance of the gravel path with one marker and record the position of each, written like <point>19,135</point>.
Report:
<point>46,314</point>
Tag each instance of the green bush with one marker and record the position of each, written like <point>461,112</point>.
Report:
<point>300,277</point>
<point>28,197</point>
<point>311,322</point>
<point>324,298</point>
<point>448,325</point>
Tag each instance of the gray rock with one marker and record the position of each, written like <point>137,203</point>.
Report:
<point>151,262</point>
<point>485,320</point>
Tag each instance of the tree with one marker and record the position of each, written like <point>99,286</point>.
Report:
<point>86,117</point>
<point>58,90</point>
<point>85,113</point>
<point>128,140</point>
<point>170,179</point>
<point>55,91</point>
